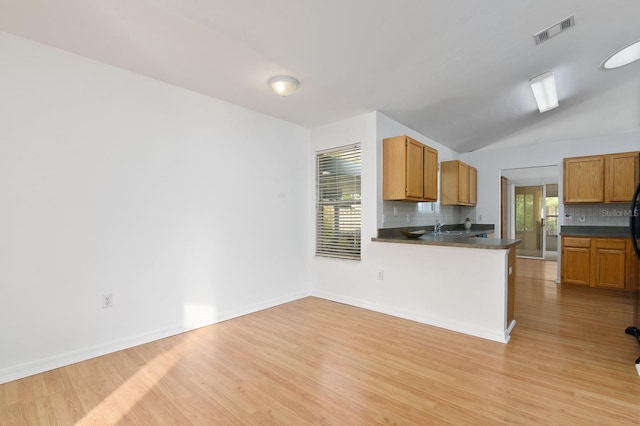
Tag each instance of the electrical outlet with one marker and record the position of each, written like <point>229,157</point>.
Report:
<point>107,300</point>
<point>380,274</point>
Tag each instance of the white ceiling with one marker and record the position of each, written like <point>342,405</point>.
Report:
<point>455,71</point>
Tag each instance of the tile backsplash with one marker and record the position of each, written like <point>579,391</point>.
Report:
<point>597,214</point>
<point>397,214</point>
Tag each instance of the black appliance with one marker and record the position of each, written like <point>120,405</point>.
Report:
<point>634,227</point>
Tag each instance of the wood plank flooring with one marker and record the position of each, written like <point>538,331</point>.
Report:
<point>317,362</point>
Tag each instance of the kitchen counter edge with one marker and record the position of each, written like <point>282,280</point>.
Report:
<point>452,241</point>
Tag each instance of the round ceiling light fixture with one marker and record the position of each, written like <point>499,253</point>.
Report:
<point>283,85</point>
<point>622,57</point>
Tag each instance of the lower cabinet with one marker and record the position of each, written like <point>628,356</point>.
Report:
<point>597,262</point>
<point>610,261</point>
<point>576,260</point>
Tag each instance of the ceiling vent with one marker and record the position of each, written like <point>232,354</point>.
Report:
<point>554,30</point>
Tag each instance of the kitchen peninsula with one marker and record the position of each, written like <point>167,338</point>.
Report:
<point>466,284</point>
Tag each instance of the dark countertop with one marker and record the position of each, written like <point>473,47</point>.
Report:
<point>595,231</point>
<point>452,238</point>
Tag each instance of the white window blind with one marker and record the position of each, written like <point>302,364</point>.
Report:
<point>338,213</point>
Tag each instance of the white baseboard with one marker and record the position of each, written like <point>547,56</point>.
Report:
<point>60,360</point>
<point>465,328</point>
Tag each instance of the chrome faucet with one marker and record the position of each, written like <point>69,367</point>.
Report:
<point>437,227</point>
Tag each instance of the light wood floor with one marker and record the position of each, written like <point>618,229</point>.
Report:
<point>317,362</point>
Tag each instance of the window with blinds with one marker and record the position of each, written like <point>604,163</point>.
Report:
<point>338,212</point>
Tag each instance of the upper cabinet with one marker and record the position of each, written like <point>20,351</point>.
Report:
<point>473,186</point>
<point>622,176</point>
<point>430,173</point>
<point>458,183</point>
<point>410,170</point>
<point>609,178</point>
<point>584,179</point>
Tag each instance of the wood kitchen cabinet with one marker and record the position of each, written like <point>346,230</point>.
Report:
<point>622,176</point>
<point>410,170</point>
<point>458,183</point>
<point>598,262</point>
<point>609,256</point>
<point>583,179</point>
<point>473,186</point>
<point>430,174</point>
<point>576,260</point>
<point>609,178</point>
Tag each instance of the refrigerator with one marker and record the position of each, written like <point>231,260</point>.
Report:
<point>634,228</point>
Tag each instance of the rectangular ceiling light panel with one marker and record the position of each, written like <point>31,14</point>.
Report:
<point>544,91</point>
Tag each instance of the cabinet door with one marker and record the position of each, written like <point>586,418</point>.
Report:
<point>473,186</point>
<point>394,169</point>
<point>414,169</point>
<point>610,272</point>
<point>576,260</point>
<point>430,174</point>
<point>576,265</point>
<point>449,183</point>
<point>463,183</point>
<point>584,179</point>
<point>622,176</point>
<point>609,263</point>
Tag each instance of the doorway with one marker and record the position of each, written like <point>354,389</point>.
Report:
<point>531,210</point>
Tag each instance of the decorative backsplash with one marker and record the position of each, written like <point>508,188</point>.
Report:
<point>397,214</point>
<point>597,214</point>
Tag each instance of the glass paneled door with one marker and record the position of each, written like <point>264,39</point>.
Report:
<point>551,222</point>
<point>529,220</point>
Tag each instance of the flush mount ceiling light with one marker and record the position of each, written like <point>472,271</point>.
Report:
<point>622,57</point>
<point>544,90</point>
<point>283,85</point>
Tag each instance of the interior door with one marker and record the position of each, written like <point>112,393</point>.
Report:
<point>529,220</point>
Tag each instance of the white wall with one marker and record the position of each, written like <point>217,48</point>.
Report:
<point>489,162</point>
<point>187,209</point>
<point>348,275</point>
